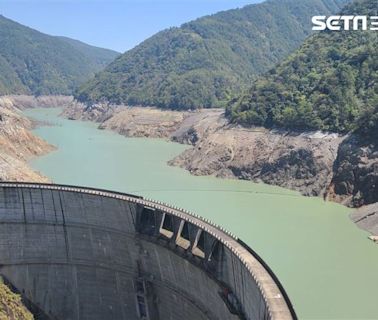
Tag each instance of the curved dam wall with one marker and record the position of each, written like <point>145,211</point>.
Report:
<point>80,253</point>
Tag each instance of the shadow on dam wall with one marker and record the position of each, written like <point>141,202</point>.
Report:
<point>81,253</point>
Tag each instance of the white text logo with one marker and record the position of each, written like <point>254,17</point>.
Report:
<point>337,23</point>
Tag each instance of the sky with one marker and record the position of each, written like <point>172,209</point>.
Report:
<point>114,24</point>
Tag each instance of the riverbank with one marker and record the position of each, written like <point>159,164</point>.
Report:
<point>339,168</point>
<point>17,144</point>
<point>301,162</point>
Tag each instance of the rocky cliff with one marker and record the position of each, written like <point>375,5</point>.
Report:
<point>18,144</point>
<point>297,161</point>
<point>342,168</point>
<point>355,180</point>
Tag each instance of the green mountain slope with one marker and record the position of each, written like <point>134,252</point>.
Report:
<point>204,61</point>
<point>102,57</point>
<point>34,63</point>
<point>330,83</point>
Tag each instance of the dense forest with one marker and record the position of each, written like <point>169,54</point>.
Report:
<point>34,63</point>
<point>205,62</point>
<point>330,83</point>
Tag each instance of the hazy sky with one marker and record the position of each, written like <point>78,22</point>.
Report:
<point>114,24</point>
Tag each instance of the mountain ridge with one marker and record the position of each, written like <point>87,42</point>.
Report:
<point>32,62</point>
<point>205,61</point>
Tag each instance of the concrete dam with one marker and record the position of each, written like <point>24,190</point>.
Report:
<point>81,253</point>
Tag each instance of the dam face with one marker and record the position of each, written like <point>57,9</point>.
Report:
<point>79,253</point>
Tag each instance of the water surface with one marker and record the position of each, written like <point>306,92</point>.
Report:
<point>326,264</point>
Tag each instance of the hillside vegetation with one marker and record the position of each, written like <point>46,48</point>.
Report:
<point>204,62</point>
<point>34,63</point>
<point>100,56</point>
<point>330,83</point>
<point>11,306</point>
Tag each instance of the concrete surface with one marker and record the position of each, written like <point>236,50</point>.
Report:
<point>81,253</point>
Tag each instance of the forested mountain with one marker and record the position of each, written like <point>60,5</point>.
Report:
<point>330,83</point>
<point>35,63</point>
<point>100,56</point>
<point>204,62</point>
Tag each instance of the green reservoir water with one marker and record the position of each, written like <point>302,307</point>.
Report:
<point>327,265</point>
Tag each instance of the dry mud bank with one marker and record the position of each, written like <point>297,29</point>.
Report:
<point>17,143</point>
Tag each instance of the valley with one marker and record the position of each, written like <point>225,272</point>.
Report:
<point>246,117</point>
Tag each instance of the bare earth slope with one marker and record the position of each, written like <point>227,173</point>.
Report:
<point>18,144</point>
<point>297,161</point>
<point>11,306</point>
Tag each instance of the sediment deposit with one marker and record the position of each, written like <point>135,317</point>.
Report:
<point>18,144</point>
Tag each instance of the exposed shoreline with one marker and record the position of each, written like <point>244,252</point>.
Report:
<point>304,161</point>
<point>17,143</point>
<point>313,163</point>
<point>367,218</point>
